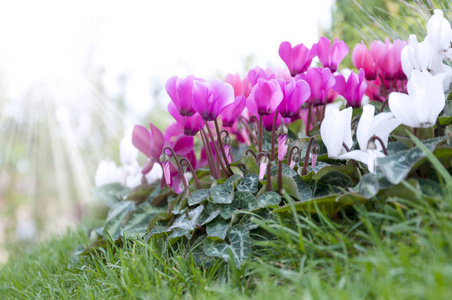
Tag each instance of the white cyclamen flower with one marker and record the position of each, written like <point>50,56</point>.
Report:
<point>336,130</point>
<point>424,102</point>
<point>438,31</point>
<point>369,125</point>
<point>419,56</point>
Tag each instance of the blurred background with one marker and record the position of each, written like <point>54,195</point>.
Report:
<point>75,76</point>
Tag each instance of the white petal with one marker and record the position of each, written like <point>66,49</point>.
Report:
<point>402,107</point>
<point>346,123</point>
<point>363,132</point>
<point>439,31</point>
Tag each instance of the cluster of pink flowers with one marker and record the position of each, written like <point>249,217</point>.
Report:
<point>243,107</point>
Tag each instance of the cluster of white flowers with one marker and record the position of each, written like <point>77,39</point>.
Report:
<point>129,173</point>
<point>428,78</point>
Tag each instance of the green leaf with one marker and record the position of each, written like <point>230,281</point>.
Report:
<point>286,170</point>
<point>204,218</point>
<point>188,222</point>
<point>242,201</point>
<point>138,222</point>
<point>288,184</point>
<point>431,188</point>
<point>239,245</point>
<point>218,228</point>
<point>397,166</point>
<point>111,193</point>
<point>198,196</point>
<point>304,190</point>
<point>445,120</point>
<point>394,147</point>
<point>368,186</point>
<point>249,183</point>
<point>248,218</point>
<point>268,199</point>
<point>116,217</point>
<point>250,164</point>
<point>327,203</point>
<point>332,182</point>
<point>344,169</point>
<point>229,183</point>
<point>219,195</point>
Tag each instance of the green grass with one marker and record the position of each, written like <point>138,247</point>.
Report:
<point>392,249</point>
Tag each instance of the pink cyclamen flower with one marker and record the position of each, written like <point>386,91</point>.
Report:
<point>282,146</point>
<point>320,81</point>
<point>209,99</point>
<point>295,94</point>
<point>149,142</point>
<point>267,121</point>
<point>264,97</point>
<point>389,61</point>
<point>232,113</point>
<point>363,59</point>
<point>166,171</point>
<point>264,161</point>
<point>353,89</point>
<point>331,56</point>
<point>181,93</point>
<point>299,58</point>
<point>242,87</point>
<point>256,73</point>
<point>189,125</point>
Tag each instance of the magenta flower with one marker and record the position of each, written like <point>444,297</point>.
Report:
<point>209,99</point>
<point>241,87</point>
<point>149,142</point>
<point>294,95</point>
<point>232,113</point>
<point>298,59</point>
<point>321,81</point>
<point>267,121</point>
<point>363,59</point>
<point>282,146</point>
<point>181,93</point>
<point>353,89</point>
<point>331,56</point>
<point>389,59</point>
<point>264,98</point>
<point>255,74</point>
<point>189,125</point>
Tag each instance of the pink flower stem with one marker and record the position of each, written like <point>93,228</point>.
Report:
<point>273,135</point>
<point>252,153</point>
<point>374,137</point>
<point>385,93</point>
<point>280,177</point>
<point>395,85</point>
<point>269,176</point>
<point>261,132</point>
<point>208,150</point>
<point>304,171</point>
<point>179,168</point>
<point>187,162</point>
<point>227,135</point>
<point>220,143</point>
<point>308,122</point>
<point>323,114</point>
<point>217,152</point>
